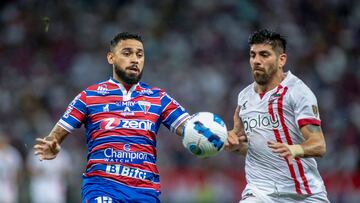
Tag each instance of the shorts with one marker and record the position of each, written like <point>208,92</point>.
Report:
<point>251,194</point>
<point>101,190</point>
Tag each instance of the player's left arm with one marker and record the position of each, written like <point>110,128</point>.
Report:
<point>313,146</point>
<point>180,129</point>
<point>307,116</point>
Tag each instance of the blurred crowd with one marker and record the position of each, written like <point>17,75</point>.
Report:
<point>197,51</point>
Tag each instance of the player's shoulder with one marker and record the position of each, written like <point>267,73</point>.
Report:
<point>102,86</point>
<point>296,86</point>
<point>248,90</point>
<point>144,88</point>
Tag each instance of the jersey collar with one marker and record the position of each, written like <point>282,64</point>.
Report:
<point>126,94</point>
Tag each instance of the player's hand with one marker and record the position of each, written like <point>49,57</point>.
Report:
<point>236,136</point>
<point>281,149</point>
<point>46,148</point>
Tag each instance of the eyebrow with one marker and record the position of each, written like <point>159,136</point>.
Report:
<point>129,49</point>
<point>260,52</point>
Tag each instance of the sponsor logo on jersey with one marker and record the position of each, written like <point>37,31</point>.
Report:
<point>71,106</point>
<point>125,155</point>
<point>146,91</point>
<point>127,110</point>
<point>111,123</point>
<point>125,103</point>
<point>261,121</point>
<point>102,89</point>
<point>117,169</point>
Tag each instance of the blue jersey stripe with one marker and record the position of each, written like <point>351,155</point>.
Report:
<point>142,140</point>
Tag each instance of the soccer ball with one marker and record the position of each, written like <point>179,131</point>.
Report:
<point>204,134</point>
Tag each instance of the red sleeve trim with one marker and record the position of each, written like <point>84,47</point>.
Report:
<point>307,121</point>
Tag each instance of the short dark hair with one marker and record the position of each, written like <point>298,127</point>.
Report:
<point>264,36</point>
<point>124,36</point>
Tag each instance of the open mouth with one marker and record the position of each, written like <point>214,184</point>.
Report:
<point>133,68</point>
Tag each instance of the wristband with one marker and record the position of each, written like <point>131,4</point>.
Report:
<point>296,150</point>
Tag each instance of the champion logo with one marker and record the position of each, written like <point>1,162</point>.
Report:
<point>127,147</point>
<point>102,89</point>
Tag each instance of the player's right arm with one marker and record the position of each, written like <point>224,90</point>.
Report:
<point>237,140</point>
<point>48,147</point>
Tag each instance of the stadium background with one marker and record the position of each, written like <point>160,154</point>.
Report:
<point>197,51</point>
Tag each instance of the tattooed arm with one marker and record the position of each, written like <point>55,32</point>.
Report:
<point>314,144</point>
<point>48,147</point>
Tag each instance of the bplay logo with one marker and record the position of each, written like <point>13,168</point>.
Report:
<point>261,121</point>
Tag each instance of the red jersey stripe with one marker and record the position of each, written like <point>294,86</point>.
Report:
<point>289,141</point>
<point>308,121</point>
<point>278,139</point>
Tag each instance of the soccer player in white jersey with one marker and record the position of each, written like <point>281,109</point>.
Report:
<point>277,127</point>
<point>10,168</point>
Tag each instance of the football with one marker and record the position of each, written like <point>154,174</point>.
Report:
<point>204,134</point>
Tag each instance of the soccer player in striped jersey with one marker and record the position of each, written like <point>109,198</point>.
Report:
<point>277,127</point>
<point>122,117</point>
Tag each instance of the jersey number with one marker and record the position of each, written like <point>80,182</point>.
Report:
<point>103,199</point>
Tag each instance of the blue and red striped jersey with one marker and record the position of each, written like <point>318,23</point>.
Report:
<point>121,128</point>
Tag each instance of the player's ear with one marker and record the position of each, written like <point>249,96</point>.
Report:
<point>282,59</point>
<point>110,57</point>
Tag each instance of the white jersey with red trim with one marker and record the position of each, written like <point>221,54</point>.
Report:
<point>278,116</point>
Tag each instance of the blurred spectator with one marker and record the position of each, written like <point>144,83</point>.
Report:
<point>10,167</point>
<point>49,179</point>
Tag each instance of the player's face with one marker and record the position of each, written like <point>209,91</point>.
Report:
<point>127,59</point>
<point>265,63</point>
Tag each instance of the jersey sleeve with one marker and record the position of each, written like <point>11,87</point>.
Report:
<point>173,114</point>
<point>305,106</point>
<point>75,113</point>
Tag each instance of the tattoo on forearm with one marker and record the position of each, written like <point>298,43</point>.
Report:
<point>58,133</point>
<point>314,128</point>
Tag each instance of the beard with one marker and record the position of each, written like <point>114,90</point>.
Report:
<point>128,78</point>
<point>263,78</point>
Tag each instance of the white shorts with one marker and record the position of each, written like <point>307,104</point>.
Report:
<point>252,194</point>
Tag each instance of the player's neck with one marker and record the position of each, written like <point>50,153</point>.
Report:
<point>126,86</point>
<point>274,82</point>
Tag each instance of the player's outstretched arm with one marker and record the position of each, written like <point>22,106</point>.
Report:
<point>237,140</point>
<point>313,146</point>
<point>48,147</point>
<point>179,130</point>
